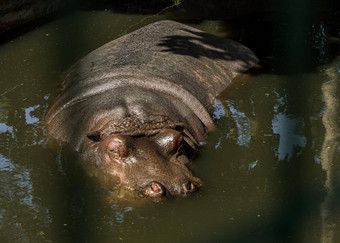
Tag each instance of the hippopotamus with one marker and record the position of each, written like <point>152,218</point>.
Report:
<point>137,108</point>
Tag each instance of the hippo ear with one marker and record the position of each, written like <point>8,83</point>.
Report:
<point>169,140</point>
<point>95,136</point>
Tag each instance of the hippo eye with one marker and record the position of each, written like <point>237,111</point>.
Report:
<point>113,151</point>
<point>95,137</point>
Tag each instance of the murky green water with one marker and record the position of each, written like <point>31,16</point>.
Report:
<point>270,172</point>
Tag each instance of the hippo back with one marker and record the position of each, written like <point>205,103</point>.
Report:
<point>165,57</point>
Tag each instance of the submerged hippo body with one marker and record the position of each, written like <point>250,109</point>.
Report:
<point>137,107</point>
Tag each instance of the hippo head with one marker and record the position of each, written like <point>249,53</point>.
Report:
<point>153,166</point>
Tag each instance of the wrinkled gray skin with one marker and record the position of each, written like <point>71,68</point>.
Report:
<point>137,107</point>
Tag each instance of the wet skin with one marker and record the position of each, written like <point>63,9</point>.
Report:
<point>136,109</point>
<point>154,166</point>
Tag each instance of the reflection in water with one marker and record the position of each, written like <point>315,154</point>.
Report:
<point>289,140</point>
<point>29,118</point>
<point>16,191</point>
<point>20,188</point>
<point>328,156</point>
<point>218,110</point>
<point>20,207</point>
<point>5,164</point>
<point>288,129</point>
<point>320,41</point>
<point>5,128</point>
<point>252,165</point>
<point>119,214</point>
<point>242,123</point>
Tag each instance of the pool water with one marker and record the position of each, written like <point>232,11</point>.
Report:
<point>270,169</point>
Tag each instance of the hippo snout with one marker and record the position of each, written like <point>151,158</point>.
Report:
<point>153,189</point>
<point>156,189</point>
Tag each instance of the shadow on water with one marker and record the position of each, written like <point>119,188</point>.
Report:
<point>282,34</point>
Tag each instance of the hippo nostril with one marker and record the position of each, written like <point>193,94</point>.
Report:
<point>189,187</point>
<point>154,189</point>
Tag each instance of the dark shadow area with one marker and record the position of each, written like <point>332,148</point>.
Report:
<point>129,7</point>
<point>286,227</point>
<point>78,205</point>
<point>287,36</point>
<point>202,45</point>
<point>21,16</point>
<point>271,29</point>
